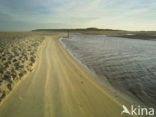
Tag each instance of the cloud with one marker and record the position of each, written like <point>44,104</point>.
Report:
<point>125,14</point>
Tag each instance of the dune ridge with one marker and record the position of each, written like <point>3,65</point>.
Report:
<point>18,53</point>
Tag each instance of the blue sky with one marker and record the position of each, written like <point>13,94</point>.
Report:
<point>23,15</point>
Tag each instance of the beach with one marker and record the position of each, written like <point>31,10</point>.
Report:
<point>59,87</point>
<point>126,65</point>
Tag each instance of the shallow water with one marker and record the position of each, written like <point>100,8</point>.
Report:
<point>125,63</point>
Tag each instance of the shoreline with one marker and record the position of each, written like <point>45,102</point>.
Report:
<point>60,83</point>
<point>118,94</point>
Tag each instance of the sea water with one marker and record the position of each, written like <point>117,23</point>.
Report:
<point>126,63</point>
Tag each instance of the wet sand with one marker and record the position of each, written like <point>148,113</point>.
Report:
<point>59,87</point>
<point>126,65</point>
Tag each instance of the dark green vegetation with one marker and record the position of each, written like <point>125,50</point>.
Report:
<point>140,35</point>
<point>108,32</point>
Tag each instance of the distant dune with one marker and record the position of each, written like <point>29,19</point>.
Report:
<point>78,29</point>
<point>108,32</point>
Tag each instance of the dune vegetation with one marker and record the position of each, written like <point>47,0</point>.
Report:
<point>18,53</point>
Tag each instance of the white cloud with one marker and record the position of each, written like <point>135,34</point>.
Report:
<point>126,14</point>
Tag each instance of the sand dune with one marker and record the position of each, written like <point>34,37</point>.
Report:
<point>17,57</point>
<point>59,87</point>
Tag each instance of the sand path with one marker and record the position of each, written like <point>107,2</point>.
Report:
<point>59,87</point>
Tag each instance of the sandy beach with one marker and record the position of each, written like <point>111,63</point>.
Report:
<point>77,58</point>
<point>59,87</point>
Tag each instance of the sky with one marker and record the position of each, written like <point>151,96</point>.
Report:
<point>25,15</point>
